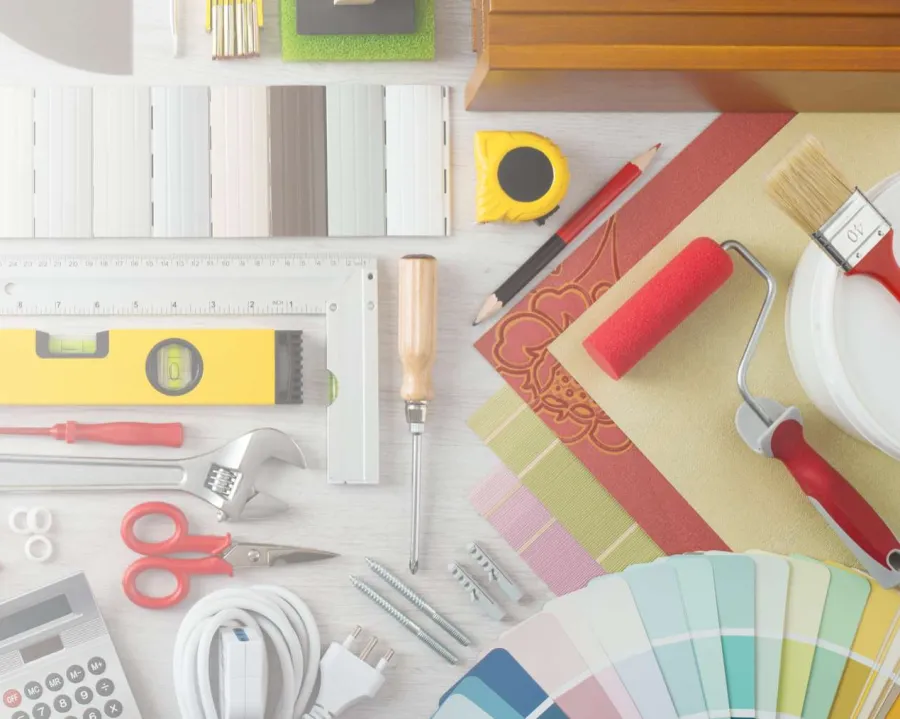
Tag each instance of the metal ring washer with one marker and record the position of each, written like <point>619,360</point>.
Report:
<point>47,545</point>
<point>40,520</point>
<point>17,526</point>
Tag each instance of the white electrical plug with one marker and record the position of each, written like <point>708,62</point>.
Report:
<point>347,679</point>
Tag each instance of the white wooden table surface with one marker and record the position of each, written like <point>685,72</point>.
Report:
<point>352,521</point>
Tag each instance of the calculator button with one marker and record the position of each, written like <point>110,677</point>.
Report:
<point>54,682</point>
<point>12,698</point>
<point>113,708</point>
<point>62,703</point>
<point>97,666</point>
<point>33,690</point>
<point>83,695</point>
<point>75,673</point>
<point>40,711</point>
<point>92,714</point>
<point>105,687</point>
<point>21,715</point>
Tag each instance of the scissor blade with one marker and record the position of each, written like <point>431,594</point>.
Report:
<point>266,555</point>
<point>297,555</point>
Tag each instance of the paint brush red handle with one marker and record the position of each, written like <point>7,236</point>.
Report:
<point>835,496</point>
<point>880,264</point>
<point>129,433</point>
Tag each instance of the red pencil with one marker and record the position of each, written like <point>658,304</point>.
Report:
<point>572,228</point>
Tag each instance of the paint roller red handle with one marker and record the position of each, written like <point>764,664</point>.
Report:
<point>824,484</point>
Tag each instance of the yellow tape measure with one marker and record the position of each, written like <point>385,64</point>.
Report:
<point>522,176</point>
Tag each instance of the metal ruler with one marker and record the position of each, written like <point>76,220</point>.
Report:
<point>342,288</point>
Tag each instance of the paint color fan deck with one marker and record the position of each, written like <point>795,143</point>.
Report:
<point>179,162</point>
<point>708,635</point>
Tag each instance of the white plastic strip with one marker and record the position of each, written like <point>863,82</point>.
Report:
<point>239,160</point>
<point>121,161</point>
<point>62,162</point>
<point>16,162</point>
<point>416,159</point>
<point>180,161</point>
<point>355,160</point>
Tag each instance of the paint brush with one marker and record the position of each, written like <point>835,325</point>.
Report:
<point>841,220</point>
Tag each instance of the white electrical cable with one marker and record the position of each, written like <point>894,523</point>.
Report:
<point>280,615</point>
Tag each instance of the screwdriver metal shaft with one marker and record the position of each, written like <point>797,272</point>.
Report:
<point>418,347</point>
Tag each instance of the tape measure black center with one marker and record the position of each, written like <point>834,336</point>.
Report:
<point>525,174</point>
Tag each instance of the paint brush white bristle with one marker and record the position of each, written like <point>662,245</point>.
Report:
<point>808,186</point>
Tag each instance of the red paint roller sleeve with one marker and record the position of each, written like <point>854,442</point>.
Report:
<point>668,299</point>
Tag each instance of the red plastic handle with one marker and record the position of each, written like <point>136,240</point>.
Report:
<point>880,264</point>
<point>822,482</point>
<point>181,569</point>
<point>144,434</point>
<point>181,540</point>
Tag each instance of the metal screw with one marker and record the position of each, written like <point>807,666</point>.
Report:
<point>253,555</point>
<point>417,601</point>
<point>405,621</point>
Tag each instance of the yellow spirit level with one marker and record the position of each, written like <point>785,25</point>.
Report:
<point>152,367</point>
<point>522,176</point>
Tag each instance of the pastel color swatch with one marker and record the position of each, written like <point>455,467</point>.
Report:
<point>459,707</point>
<point>772,575</point>
<point>505,677</point>
<point>735,579</point>
<point>476,691</point>
<point>809,584</point>
<point>698,593</point>
<point>658,598</point>
<point>543,649</point>
<point>847,597</point>
<point>621,632</point>
<point>712,635</point>
<point>573,614</point>
<point>881,680</point>
<point>877,619</point>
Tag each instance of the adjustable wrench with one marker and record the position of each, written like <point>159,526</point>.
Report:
<point>225,477</point>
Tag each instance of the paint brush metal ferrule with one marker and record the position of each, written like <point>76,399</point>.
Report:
<point>852,232</point>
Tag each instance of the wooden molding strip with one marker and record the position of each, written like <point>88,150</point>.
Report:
<point>693,57</point>
<point>678,7</point>
<point>638,29</point>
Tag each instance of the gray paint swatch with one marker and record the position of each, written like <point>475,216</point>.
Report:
<point>384,17</point>
<point>297,167</point>
<point>355,142</point>
<point>92,35</point>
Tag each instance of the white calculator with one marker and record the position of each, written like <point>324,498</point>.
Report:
<point>57,660</point>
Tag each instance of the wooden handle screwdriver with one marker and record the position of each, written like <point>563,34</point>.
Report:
<point>418,347</point>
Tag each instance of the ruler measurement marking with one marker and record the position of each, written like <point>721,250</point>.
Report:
<point>202,268</point>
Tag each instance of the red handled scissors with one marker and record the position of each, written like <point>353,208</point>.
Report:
<point>223,555</point>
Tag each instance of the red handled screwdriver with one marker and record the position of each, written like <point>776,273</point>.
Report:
<point>135,433</point>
